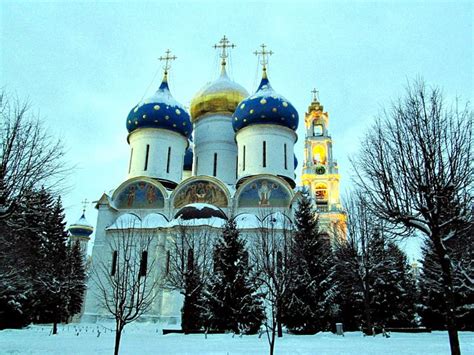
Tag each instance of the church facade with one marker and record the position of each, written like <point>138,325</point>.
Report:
<point>232,155</point>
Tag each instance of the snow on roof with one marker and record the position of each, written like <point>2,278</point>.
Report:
<point>215,222</point>
<point>125,221</point>
<point>247,221</point>
<point>155,220</point>
<point>277,220</point>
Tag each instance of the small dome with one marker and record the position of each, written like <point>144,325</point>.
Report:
<point>221,95</point>
<point>265,107</point>
<point>82,228</point>
<point>160,110</point>
<point>188,159</point>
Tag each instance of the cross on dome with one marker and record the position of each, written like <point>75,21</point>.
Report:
<point>85,202</point>
<point>315,95</point>
<point>167,59</point>
<point>223,45</point>
<point>264,54</point>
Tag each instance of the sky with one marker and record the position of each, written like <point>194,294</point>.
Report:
<point>84,65</point>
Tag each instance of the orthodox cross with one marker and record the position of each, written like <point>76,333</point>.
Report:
<point>84,205</point>
<point>223,44</point>
<point>315,95</point>
<point>264,55</point>
<point>167,59</point>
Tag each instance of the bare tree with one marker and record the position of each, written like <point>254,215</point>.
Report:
<point>189,267</point>
<point>415,168</point>
<point>30,156</point>
<point>126,284</point>
<point>269,254</point>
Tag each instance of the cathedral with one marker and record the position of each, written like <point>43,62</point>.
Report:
<point>230,155</point>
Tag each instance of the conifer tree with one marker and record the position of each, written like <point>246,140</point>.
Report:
<point>310,297</point>
<point>231,297</point>
<point>76,280</point>
<point>191,313</point>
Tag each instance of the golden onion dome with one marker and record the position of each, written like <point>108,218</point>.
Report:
<point>220,96</point>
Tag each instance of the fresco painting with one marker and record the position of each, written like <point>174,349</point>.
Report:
<point>140,194</point>
<point>264,193</point>
<point>200,191</point>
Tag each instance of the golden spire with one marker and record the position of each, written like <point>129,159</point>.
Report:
<point>223,44</point>
<point>167,59</point>
<point>264,54</point>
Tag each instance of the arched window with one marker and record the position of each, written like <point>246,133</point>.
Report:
<point>321,192</point>
<point>317,129</point>
<point>319,154</point>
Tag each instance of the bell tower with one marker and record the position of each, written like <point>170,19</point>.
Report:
<point>320,171</point>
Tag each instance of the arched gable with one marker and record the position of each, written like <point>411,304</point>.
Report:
<point>139,193</point>
<point>264,191</point>
<point>201,189</point>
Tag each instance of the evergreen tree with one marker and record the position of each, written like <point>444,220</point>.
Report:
<point>309,304</point>
<point>231,298</point>
<point>191,313</point>
<point>76,279</point>
<point>53,278</point>
<point>432,300</point>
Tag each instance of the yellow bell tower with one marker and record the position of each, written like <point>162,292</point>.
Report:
<point>320,171</point>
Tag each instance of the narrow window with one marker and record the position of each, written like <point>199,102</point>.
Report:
<point>264,154</point>
<point>114,263</point>
<point>168,161</point>
<point>214,171</point>
<point>143,263</point>
<point>168,256</point>
<point>286,163</point>
<point>130,163</point>
<point>236,166</point>
<point>244,160</point>
<point>197,161</point>
<point>146,156</point>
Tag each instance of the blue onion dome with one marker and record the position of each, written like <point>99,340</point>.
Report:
<point>160,110</point>
<point>188,159</point>
<point>220,96</point>
<point>265,107</point>
<point>82,228</point>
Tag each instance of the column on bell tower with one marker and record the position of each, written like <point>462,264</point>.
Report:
<point>320,171</point>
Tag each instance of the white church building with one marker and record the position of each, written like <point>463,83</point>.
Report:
<point>231,155</point>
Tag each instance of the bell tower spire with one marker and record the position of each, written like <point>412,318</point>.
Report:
<point>320,171</point>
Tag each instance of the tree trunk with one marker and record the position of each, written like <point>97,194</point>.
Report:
<point>55,327</point>
<point>278,319</point>
<point>118,336</point>
<point>272,343</point>
<point>449,295</point>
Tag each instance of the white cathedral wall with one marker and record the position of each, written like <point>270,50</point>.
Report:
<point>275,138</point>
<point>214,135</point>
<point>160,141</point>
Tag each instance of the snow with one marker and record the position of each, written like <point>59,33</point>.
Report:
<point>127,220</point>
<point>247,221</point>
<point>200,206</point>
<point>198,222</point>
<point>143,338</point>
<point>155,220</point>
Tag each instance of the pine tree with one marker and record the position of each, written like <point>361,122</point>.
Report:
<point>53,279</point>
<point>191,313</point>
<point>231,297</point>
<point>76,279</point>
<point>432,301</point>
<point>310,298</point>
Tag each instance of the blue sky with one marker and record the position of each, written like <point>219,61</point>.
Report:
<point>84,65</point>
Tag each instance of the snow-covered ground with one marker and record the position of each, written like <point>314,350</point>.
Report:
<point>147,339</point>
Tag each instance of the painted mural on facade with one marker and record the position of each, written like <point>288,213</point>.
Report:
<point>140,194</point>
<point>200,191</point>
<point>264,193</point>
